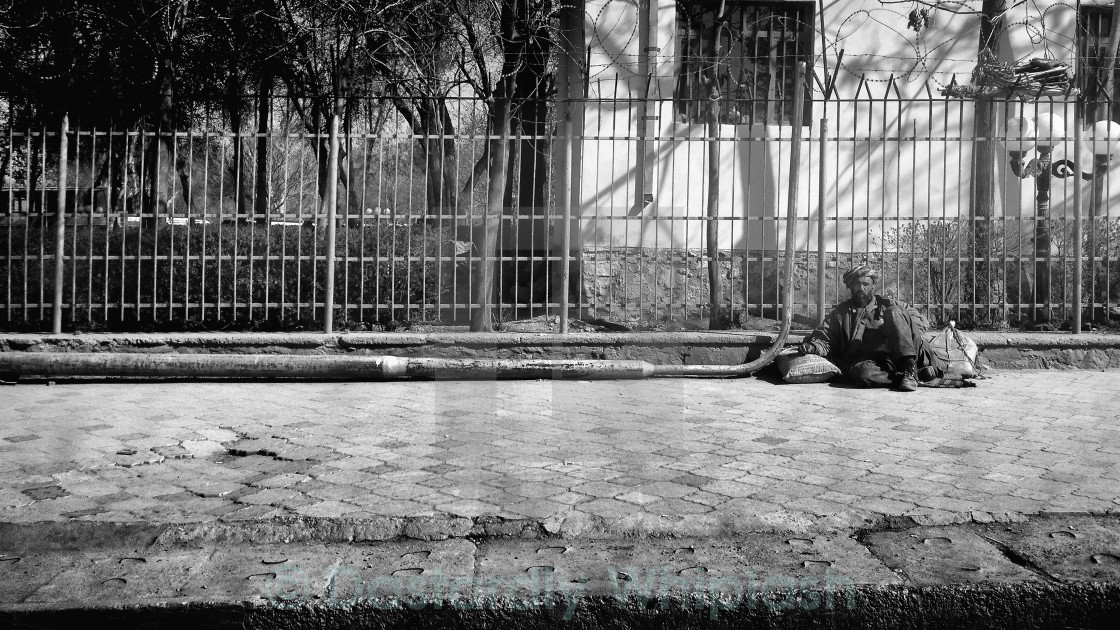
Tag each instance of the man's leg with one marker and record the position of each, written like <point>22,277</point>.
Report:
<point>903,334</point>
<point>869,374</point>
<point>904,337</point>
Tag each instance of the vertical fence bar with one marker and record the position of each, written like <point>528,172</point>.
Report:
<point>92,211</point>
<point>122,209</point>
<point>189,227</point>
<point>1099,170</point>
<point>379,250</point>
<point>8,178</point>
<point>171,231</point>
<point>300,148</point>
<point>42,235</point>
<point>332,201</point>
<point>363,222</point>
<point>153,187</point>
<point>347,132</point>
<point>205,223</point>
<point>74,225</point>
<point>238,149</point>
<point>60,223</point>
<point>563,174</point>
<point>1078,116</point>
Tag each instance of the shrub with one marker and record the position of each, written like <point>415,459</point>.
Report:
<point>222,275</point>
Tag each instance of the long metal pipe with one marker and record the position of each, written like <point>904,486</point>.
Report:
<point>347,367</point>
<point>303,366</point>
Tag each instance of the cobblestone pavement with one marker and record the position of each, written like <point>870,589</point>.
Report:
<point>555,451</point>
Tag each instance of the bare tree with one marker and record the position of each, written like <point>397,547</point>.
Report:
<point>504,46</point>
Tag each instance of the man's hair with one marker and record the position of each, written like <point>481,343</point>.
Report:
<point>860,272</point>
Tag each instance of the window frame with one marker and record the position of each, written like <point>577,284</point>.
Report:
<point>1091,43</point>
<point>690,89</point>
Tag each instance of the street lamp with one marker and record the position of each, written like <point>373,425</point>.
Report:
<point>1024,134</point>
<point>1041,134</point>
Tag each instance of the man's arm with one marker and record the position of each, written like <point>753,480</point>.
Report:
<point>915,315</point>
<point>821,339</point>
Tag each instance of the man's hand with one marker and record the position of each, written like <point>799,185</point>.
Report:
<point>807,348</point>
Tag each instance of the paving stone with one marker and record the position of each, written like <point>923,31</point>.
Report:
<point>46,493</point>
<point>569,498</point>
<point>609,508</point>
<point>536,508</point>
<point>129,458</point>
<point>212,487</point>
<point>727,488</point>
<point>470,491</point>
<point>283,480</point>
<point>610,450</point>
<point>639,498</point>
<point>601,489</point>
<point>326,509</point>
<point>270,496</point>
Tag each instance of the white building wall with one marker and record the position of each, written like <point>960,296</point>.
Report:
<point>921,169</point>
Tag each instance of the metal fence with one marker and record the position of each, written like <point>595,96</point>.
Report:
<point>206,228</point>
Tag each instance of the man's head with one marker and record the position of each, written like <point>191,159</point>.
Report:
<point>861,283</point>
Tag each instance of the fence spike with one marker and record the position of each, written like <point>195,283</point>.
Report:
<point>817,80</point>
<point>835,75</point>
<point>887,89</point>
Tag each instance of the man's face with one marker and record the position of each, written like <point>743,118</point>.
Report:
<point>863,289</point>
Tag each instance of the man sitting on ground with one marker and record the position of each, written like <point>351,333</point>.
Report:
<point>875,341</point>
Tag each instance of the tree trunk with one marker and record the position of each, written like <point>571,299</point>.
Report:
<point>157,163</point>
<point>264,112</point>
<point>718,319</point>
<point>495,196</point>
<point>118,194</point>
<point>237,172</point>
<point>984,152</point>
<point>984,156</point>
<point>160,166</point>
<point>439,156</point>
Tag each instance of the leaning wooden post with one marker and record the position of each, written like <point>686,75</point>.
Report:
<point>332,202</point>
<point>60,223</point>
<point>794,178</point>
<point>820,221</point>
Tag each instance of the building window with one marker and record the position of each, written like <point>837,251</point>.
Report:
<point>1093,26</point>
<point>759,45</point>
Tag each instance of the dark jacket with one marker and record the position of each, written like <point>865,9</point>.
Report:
<point>834,338</point>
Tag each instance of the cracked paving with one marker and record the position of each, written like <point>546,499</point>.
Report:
<point>180,452</point>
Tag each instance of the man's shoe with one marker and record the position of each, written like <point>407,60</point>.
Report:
<point>908,382</point>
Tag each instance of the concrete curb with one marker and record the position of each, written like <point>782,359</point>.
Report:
<point>1045,571</point>
<point>77,534</point>
<point>998,350</point>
